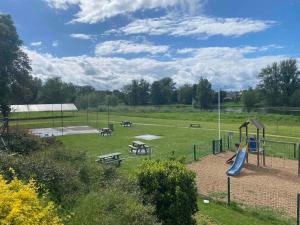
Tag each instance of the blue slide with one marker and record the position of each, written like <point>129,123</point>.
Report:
<point>239,161</point>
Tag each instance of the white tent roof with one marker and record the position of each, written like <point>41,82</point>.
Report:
<point>43,107</point>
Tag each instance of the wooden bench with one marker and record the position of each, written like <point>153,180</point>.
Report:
<point>110,158</point>
<point>131,148</point>
<point>195,125</point>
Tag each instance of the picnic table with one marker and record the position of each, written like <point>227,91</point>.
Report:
<point>139,147</point>
<point>105,131</point>
<point>126,123</point>
<point>110,158</point>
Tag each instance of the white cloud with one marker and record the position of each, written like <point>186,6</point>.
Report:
<point>199,26</point>
<point>93,11</point>
<point>127,47</point>
<point>225,67</point>
<point>82,36</point>
<point>55,43</point>
<point>36,44</point>
<point>219,51</point>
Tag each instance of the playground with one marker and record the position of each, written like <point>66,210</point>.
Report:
<point>250,176</point>
<point>276,185</point>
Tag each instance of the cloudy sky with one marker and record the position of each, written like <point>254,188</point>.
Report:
<point>107,43</point>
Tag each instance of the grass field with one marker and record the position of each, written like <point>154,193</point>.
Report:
<point>177,141</point>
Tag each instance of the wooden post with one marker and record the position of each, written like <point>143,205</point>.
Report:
<point>195,157</point>
<point>264,157</point>
<point>213,147</point>
<point>247,134</point>
<point>228,190</point>
<point>295,146</point>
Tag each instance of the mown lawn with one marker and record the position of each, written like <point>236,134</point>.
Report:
<point>176,141</point>
<point>219,213</point>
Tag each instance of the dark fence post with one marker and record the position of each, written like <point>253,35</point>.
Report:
<point>221,145</point>
<point>195,157</point>
<point>228,190</point>
<point>228,142</point>
<point>213,147</point>
<point>295,146</point>
<point>298,208</point>
<point>298,159</point>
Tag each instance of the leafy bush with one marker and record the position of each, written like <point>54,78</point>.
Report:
<point>20,205</point>
<point>112,206</point>
<point>63,174</point>
<point>21,142</point>
<point>171,187</point>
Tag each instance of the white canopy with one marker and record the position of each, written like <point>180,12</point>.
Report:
<point>43,107</point>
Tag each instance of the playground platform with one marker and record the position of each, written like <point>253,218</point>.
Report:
<point>275,186</point>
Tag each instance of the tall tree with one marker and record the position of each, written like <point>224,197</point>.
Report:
<point>163,91</point>
<point>250,97</point>
<point>14,66</point>
<point>56,91</point>
<point>204,94</point>
<point>143,92</point>
<point>279,81</point>
<point>185,94</point>
<point>131,92</point>
<point>156,94</point>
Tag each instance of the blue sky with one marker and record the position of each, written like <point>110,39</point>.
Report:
<point>107,43</point>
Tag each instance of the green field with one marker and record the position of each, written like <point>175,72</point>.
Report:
<point>177,141</point>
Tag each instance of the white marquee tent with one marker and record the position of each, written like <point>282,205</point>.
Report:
<point>44,108</point>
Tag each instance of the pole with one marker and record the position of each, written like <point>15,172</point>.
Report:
<point>97,123</point>
<point>298,159</point>
<point>87,110</point>
<point>62,120</point>
<point>195,158</point>
<point>108,114</point>
<point>219,107</point>
<point>228,190</point>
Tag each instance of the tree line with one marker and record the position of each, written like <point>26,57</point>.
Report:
<point>279,85</point>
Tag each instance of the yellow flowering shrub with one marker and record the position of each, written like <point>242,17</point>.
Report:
<point>20,205</point>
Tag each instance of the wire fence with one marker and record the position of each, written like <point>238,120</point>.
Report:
<point>280,200</point>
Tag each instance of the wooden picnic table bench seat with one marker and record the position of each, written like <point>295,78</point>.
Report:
<point>131,148</point>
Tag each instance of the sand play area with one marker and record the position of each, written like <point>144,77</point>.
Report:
<point>276,185</point>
